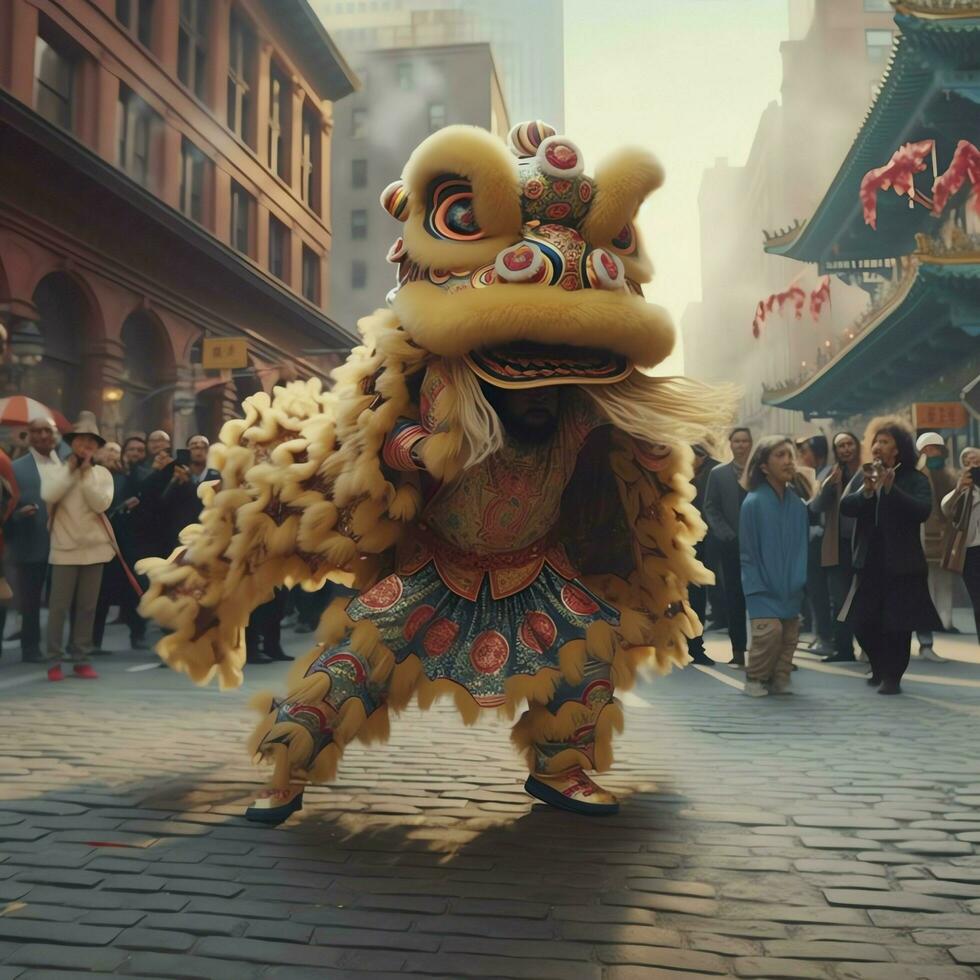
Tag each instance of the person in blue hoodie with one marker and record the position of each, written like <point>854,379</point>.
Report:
<point>773,536</point>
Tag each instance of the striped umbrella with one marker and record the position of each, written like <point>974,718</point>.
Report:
<point>19,410</point>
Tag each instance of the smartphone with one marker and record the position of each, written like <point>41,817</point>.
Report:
<point>183,457</point>
<point>975,473</point>
<point>868,469</point>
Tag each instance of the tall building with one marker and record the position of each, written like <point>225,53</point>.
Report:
<point>407,93</point>
<point>164,179</point>
<point>832,61</point>
<point>527,40</point>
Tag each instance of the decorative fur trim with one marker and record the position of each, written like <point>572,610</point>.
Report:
<point>453,324</point>
<point>623,180</point>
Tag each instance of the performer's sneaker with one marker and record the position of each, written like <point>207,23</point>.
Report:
<point>572,790</point>
<point>272,806</point>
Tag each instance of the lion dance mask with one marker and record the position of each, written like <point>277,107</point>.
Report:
<point>492,471</point>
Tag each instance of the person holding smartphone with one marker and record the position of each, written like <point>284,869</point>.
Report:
<point>890,599</point>
<point>181,503</point>
<point>962,506</point>
<point>78,494</point>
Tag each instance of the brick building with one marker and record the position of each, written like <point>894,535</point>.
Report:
<point>164,178</point>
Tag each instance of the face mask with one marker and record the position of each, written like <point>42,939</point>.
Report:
<point>935,462</point>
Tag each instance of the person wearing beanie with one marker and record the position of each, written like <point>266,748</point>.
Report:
<point>77,494</point>
<point>935,537</point>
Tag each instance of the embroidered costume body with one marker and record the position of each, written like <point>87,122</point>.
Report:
<point>504,488</point>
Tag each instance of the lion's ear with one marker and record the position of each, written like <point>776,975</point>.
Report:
<point>623,182</point>
<point>462,199</point>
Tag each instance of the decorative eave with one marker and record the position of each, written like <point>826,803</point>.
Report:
<point>784,237</point>
<point>942,290</point>
<point>935,56</point>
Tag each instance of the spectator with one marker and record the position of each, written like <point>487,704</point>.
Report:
<point>181,504</point>
<point>891,595</point>
<point>148,479</point>
<point>78,493</point>
<point>9,495</point>
<point>962,507</point>
<point>263,642</point>
<point>21,447</point>
<point>813,454</point>
<point>704,463</point>
<point>117,588</point>
<point>773,544</point>
<point>133,453</point>
<point>935,538</point>
<point>723,498</point>
<point>28,540</point>
<point>835,555</point>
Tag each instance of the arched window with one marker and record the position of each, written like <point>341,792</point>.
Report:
<point>147,376</point>
<point>64,321</point>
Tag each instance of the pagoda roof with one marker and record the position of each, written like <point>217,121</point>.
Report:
<point>934,67</point>
<point>928,323</point>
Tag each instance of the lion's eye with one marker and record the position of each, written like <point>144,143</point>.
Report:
<point>625,241</point>
<point>450,210</point>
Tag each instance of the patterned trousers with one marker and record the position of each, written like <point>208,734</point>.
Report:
<point>337,698</point>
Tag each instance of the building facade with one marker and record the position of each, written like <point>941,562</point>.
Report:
<point>833,59</point>
<point>527,40</point>
<point>164,178</point>
<point>407,93</point>
<point>915,347</point>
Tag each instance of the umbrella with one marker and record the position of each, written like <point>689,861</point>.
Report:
<point>19,410</point>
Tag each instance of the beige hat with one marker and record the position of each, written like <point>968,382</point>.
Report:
<point>85,426</point>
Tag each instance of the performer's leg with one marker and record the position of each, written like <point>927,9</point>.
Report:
<point>572,733</point>
<point>333,700</point>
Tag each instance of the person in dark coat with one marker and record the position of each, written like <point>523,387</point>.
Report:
<point>179,498</point>
<point>813,454</point>
<point>723,498</point>
<point>697,595</point>
<point>835,545</point>
<point>890,597</point>
<point>27,537</point>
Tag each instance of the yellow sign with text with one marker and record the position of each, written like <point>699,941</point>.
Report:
<point>219,353</point>
<point>939,415</point>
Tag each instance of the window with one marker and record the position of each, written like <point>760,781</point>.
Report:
<point>358,223</point>
<point>311,275</point>
<point>137,126</point>
<point>358,173</point>
<point>192,163</point>
<point>878,44</point>
<point>241,70</point>
<point>137,17</point>
<point>875,6</point>
<point>405,76</point>
<point>358,274</point>
<point>358,123</point>
<point>192,44</point>
<point>54,83</point>
<point>278,116</point>
<point>241,213</point>
<point>278,248</point>
<point>437,116</point>
<point>310,160</point>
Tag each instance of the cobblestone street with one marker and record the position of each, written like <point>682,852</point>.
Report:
<point>832,834</point>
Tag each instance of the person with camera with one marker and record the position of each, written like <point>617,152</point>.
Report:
<point>962,507</point>
<point>890,598</point>
<point>77,493</point>
<point>180,501</point>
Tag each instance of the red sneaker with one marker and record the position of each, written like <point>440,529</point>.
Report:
<point>86,671</point>
<point>55,674</point>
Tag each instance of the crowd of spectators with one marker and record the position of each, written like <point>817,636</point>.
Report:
<point>804,535</point>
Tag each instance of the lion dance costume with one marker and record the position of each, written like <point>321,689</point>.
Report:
<point>488,568</point>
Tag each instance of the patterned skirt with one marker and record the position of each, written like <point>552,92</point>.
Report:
<point>480,644</point>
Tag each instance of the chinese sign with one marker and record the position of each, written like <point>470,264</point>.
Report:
<point>223,352</point>
<point>939,415</point>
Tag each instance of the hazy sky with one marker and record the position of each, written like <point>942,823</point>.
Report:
<point>688,79</point>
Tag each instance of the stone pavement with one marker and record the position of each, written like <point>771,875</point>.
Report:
<point>833,834</point>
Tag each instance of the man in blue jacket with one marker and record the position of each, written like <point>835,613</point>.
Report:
<point>773,536</point>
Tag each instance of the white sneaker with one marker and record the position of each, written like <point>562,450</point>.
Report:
<point>784,688</point>
<point>929,654</point>
<point>755,690</point>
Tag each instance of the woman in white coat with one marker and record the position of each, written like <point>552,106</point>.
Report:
<point>77,494</point>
